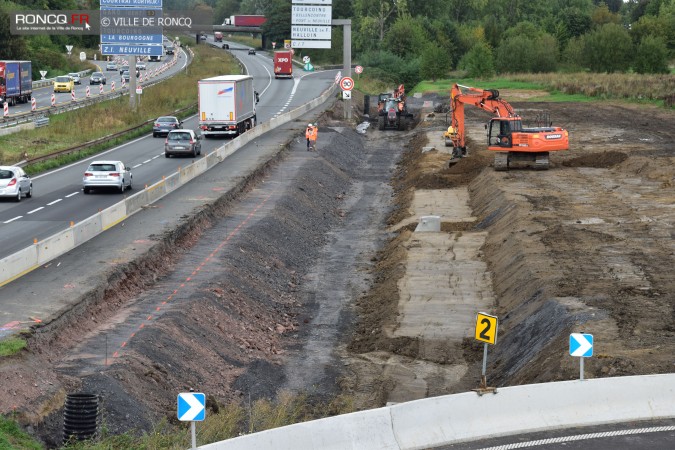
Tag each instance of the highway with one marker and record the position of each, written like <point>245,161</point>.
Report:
<point>58,197</point>
<point>43,95</point>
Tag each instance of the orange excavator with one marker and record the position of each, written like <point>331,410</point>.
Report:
<point>506,135</point>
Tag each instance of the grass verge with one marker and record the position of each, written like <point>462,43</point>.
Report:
<point>72,128</point>
<point>11,346</point>
<point>571,87</point>
<point>12,437</point>
<point>226,422</point>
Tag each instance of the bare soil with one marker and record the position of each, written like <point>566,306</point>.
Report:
<point>248,298</point>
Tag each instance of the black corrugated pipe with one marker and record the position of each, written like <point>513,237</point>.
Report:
<point>81,417</point>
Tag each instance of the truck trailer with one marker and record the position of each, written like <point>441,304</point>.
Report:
<point>226,105</point>
<point>16,82</point>
<point>283,64</point>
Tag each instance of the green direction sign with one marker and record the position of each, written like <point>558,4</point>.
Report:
<point>309,67</point>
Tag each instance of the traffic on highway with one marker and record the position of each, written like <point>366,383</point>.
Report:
<point>58,201</point>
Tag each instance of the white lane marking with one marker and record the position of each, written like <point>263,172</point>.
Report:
<point>70,195</point>
<point>155,157</point>
<point>137,165</point>
<point>54,202</point>
<point>581,437</point>
<point>35,210</point>
<point>12,220</point>
<point>146,161</point>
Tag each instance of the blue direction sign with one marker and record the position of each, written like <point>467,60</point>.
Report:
<point>191,406</point>
<point>131,38</point>
<point>133,3</point>
<point>132,49</point>
<point>581,345</point>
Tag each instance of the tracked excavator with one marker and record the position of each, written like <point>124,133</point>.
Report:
<point>506,135</point>
<point>391,110</point>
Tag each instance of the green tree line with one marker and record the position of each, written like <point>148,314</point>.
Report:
<point>409,40</point>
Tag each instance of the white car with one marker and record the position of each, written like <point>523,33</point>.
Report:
<point>15,183</point>
<point>75,77</point>
<point>107,174</point>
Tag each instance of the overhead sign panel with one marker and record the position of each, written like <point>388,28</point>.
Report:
<point>313,2</point>
<point>132,49</point>
<point>311,15</point>
<point>132,3</point>
<point>310,32</point>
<point>131,38</point>
<point>311,44</point>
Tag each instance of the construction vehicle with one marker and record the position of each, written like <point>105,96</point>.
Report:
<point>506,135</point>
<point>391,110</point>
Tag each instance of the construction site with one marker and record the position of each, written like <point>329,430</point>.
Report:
<point>327,288</point>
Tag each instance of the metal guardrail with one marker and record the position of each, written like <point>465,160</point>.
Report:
<point>41,121</point>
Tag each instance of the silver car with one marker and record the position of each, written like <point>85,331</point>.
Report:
<point>107,174</point>
<point>182,142</point>
<point>15,183</point>
<point>75,77</point>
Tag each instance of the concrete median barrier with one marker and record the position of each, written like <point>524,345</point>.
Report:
<point>55,245</point>
<point>155,192</point>
<point>113,214</point>
<point>172,182</point>
<point>87,229</point>
<point>465,417</point>
<point>135,203</point>
<point>17,264</point>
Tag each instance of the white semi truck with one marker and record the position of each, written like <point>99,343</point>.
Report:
<point>226,105</point>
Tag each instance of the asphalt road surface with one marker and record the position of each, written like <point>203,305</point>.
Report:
<point>57,195</point>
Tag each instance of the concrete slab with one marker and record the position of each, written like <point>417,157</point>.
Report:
<point>452,205</point>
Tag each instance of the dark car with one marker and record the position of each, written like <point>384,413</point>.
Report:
<point>97,78</point>
<point>251,51</point>
<point>124,68</point>
<point>163,125</point>
<point>125,76</point>
<point>169,50</point>
<point>226,46</point>
<point>182,142</point>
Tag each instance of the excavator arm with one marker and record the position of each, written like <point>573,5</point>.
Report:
<point>506,134</point>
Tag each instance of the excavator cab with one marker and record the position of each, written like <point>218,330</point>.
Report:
<point>501,129</point>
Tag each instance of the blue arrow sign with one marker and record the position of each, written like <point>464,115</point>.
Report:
<point>191,406</point>
<point>581,345</point>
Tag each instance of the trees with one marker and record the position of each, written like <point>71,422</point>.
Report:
<point>651,56</point>
<point>478,62</point>
<point>434,62</point>
<point>608,49</point>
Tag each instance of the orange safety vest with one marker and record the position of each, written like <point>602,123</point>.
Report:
<point>311,133</point>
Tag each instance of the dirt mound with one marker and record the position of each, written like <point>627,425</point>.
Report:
<point>597,160</point>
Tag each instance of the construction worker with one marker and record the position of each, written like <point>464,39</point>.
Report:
<point>311,134</point>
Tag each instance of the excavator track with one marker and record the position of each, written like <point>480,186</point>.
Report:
<point>541,161</point>
<point>501,161</point>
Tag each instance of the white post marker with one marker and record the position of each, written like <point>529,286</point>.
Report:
<point>358,70</point>
<point>486,331</point>
<point>69,49</point>
<point>53,100</point>
<point>581,346</point>
<point>100,89</point>
<point>42,74</point>
<point>5,109</point>
<point>112,86</point>
<point>33,104</point>
<point>88,92</point>
<point>346,95</point>
<point>192,407</point>
<point>72,95</point>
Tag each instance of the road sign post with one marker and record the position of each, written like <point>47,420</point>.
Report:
<point>192,407</point>
<point>486,332</point>
<point>358,70</point>
<point>581,346</point>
